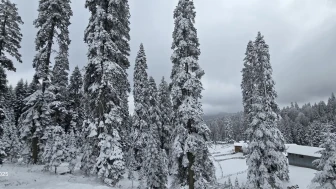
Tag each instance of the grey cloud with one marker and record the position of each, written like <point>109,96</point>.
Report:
<point>300,34</point>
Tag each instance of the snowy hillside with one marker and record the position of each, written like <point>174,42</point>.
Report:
<point>234,166</point>
<point>228,165</point>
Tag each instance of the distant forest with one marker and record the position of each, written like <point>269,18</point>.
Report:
<point>300,125</point>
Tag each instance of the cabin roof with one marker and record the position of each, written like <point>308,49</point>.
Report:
<point>240,143</point>
<point>303,150</point>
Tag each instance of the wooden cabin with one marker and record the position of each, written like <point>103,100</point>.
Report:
<point>302,156</point>
<point>238,146</point>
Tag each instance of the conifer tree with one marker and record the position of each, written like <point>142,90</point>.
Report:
<point>325,178</point>
<point>106,84</point>
<point>154,168</point>
<point>9,138</point>
<point>331,106</point>
<point>141,105</point>
<point>10,34</point>
<point>20,95</point>
<point>89,147</point>
<point>47,153</point>
<point>120,34</point>
<point>75,98</point>
<point>267,166</point>
<point>236,185</point>
<point>58,149</point>
<point>72,151</point>
<point>247,81</point>
<point>229,184</point>
<point>52,23</point>
<point>192,166</point>
<point>59,84</point>
<point>165,108</point>
<point>315,133</point>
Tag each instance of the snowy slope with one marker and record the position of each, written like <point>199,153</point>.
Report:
<point>237,168</point>
<point>227,163</point>
<point>31,177</point>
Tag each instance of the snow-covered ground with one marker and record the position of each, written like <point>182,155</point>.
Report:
<point>236,168</point>
<point>227,163</point>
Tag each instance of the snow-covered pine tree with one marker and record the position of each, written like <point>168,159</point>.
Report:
<point>52,24</point>
<point>166,112</point>
<point>72,151</point>
<point>10,34</point>
<point>75,101</point>
<point>59,81</point>
<point>47,153</point>
<point>285,127</point>
<point>315,133</point>
<point>89,145</point>
<point>32,87</point>
<point>20,95</point>
<point>3,84</point>
<point>267,165</point>
<point>229,184</point>
<point>325,178</point>
<point>154,166</point>
<point>58,149</point>
<point>141,105</point>
<point>120,35</point>
<point>192,166</point>
<point>236,185</point>
<point>247,82</point>
<point>331,106</point>
<point>106,84</point>
<point>3,112</point>
<point>9,138</point>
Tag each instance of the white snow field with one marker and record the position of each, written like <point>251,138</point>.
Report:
<point>237,168</point>
<point>227,163</point>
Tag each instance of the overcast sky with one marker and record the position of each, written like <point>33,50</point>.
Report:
<point>301,35</point>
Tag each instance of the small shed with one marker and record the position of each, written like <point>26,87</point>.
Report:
<point>302,156</point>
<point>238,146</point>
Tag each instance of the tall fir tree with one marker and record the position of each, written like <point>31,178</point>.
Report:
<point>20,95</point>
<point>59,81</point>
<point>9,138</point>
<point>141,105</point>
<point>315,133</point>
<point>155,167</point>
<point>10,34</point>
<point>247,82</point>
<point>325,178</point>
<point>72,151</point>
<point>166,112</point>
<point>120,34</point>
<point>106,84</point>
<point>75,101</point>
<point>57,151</point>
<point>52,23</point>
<point>267,165</point>
<point>331,106</point>
<point>192,166</point>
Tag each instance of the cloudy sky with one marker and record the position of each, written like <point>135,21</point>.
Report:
<point>300,33</point>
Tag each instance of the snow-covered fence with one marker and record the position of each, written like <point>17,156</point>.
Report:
<point>243,157</point>
<point>219,155</point>
<point>238,173</point>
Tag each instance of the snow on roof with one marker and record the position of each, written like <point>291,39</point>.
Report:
<point>303,150</point>
<point>240,143</point>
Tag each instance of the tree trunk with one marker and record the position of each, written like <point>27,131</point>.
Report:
<point>35,149</point>
<point>55,169</point>
<point>191,180</point>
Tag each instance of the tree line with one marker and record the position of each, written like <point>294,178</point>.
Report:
<point>52,119</point>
